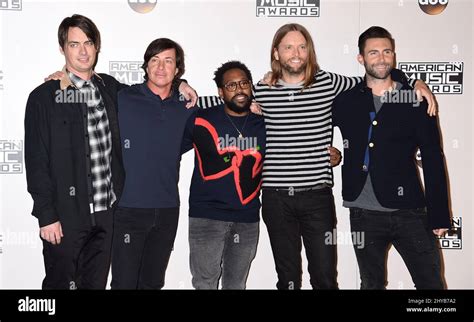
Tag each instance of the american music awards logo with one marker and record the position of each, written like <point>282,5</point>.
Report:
<point>288,8</point>
<point>11,156</point>
<point>453,238</point>
<point>11,5</point>
<point>441,77</point>
<point>127,72</point>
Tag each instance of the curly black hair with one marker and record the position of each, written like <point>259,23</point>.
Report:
<point>234,64</point>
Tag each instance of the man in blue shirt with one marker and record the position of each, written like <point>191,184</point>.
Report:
<point>224,205</point>
<point>152,118</point>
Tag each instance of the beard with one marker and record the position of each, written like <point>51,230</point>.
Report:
<point>294,70</point>
<point>239,108</point>
<point>372,71</point>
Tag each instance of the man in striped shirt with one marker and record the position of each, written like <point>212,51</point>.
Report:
<point>297,199</point>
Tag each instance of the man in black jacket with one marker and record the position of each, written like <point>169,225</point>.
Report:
<point>382,125</point>
<point>74,163</point>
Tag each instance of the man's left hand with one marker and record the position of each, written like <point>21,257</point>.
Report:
<point>440,231</point>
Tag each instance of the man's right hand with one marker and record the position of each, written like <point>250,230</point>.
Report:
<point>267,78</point>
<point>55,76</point>
<point>52,233</point>
<point>255,108</point>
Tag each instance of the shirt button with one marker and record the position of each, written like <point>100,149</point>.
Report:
<point>371,144</point>
<point>374,123</point>
<point>364,167</point>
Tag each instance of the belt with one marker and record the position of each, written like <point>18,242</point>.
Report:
<point>291,191</point>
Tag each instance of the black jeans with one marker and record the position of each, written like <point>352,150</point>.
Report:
<point>411,236</point>
<point>289,218</point>
<point>143,241</point>
<point>82,259</point>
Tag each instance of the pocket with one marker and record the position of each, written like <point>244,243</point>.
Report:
<point>355,215</point>
<point>272,209</point>
<point>68,133</point>
<point>356,221</point>
<point>423,244</point>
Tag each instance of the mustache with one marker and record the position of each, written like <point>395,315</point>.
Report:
<point>235,96</point>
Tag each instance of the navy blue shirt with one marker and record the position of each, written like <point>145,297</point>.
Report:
<point>151,130</point>
<point>228,170</point>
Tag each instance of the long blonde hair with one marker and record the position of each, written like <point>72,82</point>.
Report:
<point>312,67</point>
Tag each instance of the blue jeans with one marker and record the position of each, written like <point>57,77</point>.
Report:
<point>409,232</point>
<point>221,248</point>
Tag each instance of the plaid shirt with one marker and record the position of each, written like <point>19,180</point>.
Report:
<point>100,143</point>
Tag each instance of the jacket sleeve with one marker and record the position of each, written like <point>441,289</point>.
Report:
<point>209,101</point>
<point>401,77</point>
<point>434,169</point>
<point>37,161</point>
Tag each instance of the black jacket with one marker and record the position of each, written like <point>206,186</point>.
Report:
<point>397,131</point>
<point>56,153</point>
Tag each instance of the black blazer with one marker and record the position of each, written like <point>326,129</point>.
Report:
<point>57,164</point>
<point>397,131</point>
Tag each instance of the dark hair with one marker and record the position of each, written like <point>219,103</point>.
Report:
<point>374,32</point>
<point>162,44</point>
<point>312,67</point>
<point>83,23</point>
<point>233,64</point>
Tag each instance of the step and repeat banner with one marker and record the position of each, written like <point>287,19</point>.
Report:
<point>434,42</point>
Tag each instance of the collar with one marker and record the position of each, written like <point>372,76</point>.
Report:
<point>174,94</point>
<point>362,86</point>
<point>65,81</point>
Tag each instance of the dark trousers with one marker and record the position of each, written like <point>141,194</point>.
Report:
<point>143,241</point>
<point>82,259</point>
<point>409,232</point>
<point>308,215</point>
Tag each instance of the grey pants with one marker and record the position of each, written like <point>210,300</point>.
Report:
<point>221,248</point>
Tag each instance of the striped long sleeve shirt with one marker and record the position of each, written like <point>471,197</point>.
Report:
<point>299,130</point>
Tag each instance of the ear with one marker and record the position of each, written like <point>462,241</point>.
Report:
<point>61,50</point>
<point>221,92</point>
<point>360,59</point>
<point>176,71</point>
<point>275,54</point>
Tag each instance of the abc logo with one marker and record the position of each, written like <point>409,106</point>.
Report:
<point>433,7</point>
<point>142,6</point>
